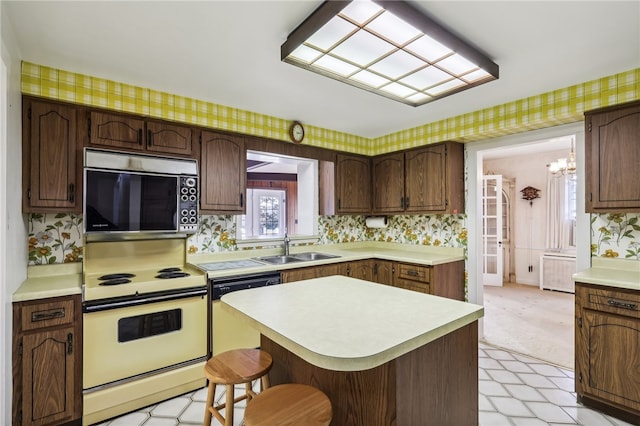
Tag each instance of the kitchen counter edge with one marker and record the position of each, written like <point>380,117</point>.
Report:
<point>615,273</point>
<point>428,256</point>
<point>45,281</point>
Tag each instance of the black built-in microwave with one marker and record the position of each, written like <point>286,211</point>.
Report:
<point>127,194</point>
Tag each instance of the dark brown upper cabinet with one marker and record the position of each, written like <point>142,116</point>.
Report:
<point>429,179</point>
<point>118,131</point>
<point>52,168</point>
<point>223,173</point>
<point>612,148</point>
<point>345,186</point>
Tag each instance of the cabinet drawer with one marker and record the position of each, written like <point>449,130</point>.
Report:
<point>50,314</point>
<point>413,285</point>
<point>613,301</point>
<point>414,272</point>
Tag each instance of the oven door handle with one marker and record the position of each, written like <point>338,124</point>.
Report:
<point>126,302</point>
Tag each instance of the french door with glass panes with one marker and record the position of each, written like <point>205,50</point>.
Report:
<point>266,212</point>
<point>492,258</point>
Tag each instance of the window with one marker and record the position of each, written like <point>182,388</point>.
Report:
<point>282,197</point>
<point>266,213</point>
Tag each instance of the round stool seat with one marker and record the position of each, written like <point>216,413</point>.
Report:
<point>238,366</point>
<point>289,404</point>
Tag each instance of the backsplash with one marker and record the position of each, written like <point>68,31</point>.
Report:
<point>57,238</point>
<point>616,235</point>
<point>54,238</point>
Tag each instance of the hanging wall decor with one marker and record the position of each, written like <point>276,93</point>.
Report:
<point>530,193</point>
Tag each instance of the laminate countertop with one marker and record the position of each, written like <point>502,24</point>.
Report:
<point>45,281</point>
<point>618,273</point>
<point>346,324</point>
<point>345,252</point>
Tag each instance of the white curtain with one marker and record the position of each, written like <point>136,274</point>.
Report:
<point>558,222</point>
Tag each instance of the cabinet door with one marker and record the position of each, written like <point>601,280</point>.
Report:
<point>116,131</point>
<point>613,160</point>
<point>169,138</point>
<point>353,184</point>
<point>48,377</point>
<point>361,269</point>
<point>425,179</point>
<point>51,174</point>
<point>223,173</point>
<point>388,183</point>
<point>383,271</point>
<point>607,364</point>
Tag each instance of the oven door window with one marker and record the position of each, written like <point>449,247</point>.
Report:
<point>147,325</point>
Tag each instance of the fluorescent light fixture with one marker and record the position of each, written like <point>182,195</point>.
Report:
<point>387,47</point>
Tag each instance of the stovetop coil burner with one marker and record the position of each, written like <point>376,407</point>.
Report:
<point>174,269</point>
<point>172,274</point>
<point>116,276</point>
<point>115,281</point>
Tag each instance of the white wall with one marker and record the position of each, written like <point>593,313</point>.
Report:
<point>13,234</point>
<point>530,220</point>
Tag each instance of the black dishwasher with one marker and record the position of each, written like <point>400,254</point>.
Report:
<point>223,285</point>
<point>229,331</point>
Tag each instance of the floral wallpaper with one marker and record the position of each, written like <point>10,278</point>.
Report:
<point>430,230</point>
<point>54,238</point>
<point>57,238</point>
<point>215,233</point>
<point>616,235</point>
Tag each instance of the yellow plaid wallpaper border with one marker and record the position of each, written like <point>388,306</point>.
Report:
<point>548,109</point>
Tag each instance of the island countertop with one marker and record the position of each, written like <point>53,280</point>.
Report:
<point>345,324</point>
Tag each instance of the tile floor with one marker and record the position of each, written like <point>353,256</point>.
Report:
<point>514,390</point>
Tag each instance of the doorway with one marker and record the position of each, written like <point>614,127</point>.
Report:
<point>476,153</point>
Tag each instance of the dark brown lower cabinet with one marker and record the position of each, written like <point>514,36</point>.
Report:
<point>47,362</point>
<point>607,333</point>
<point>446,280</point>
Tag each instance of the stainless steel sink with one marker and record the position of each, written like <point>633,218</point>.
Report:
<point>298,257</point>
<point>278,259</point>
<point>314,256</point>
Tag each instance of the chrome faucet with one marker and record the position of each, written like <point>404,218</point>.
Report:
<point>287,240</point>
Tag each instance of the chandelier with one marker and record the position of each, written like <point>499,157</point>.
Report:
<point>564,166</point>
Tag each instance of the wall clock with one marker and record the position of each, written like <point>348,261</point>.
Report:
<point>296,132</point>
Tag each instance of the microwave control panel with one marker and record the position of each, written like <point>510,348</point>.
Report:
<point>188,205</point>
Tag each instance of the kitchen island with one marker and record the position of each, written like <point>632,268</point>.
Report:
<point>383,355</point>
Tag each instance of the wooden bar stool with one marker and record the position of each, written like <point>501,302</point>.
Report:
<point>289,404</point>
<point>231,368</point>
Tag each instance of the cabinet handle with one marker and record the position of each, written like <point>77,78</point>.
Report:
<point>149,138</point>
<point>402,202</point>
<point>47,315</point>
<point>71,196</point>
<point>412,272</point>
<point>139,136</point>
<point>339,203</point>
<point>70,343</point>
<point>407,203</point>
<point>241,200</point>
<point>623,305</point>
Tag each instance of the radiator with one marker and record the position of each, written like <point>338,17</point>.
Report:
<point>556,270</point>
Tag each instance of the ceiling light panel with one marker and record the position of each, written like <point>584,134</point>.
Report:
<point>387,47</point>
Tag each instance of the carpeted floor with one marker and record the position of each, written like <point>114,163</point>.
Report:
<point>530,321</point>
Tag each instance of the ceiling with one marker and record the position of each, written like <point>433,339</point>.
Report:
<point>228,52</point>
